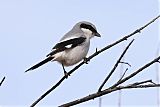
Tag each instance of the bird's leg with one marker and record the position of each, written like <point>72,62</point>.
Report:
<point>86,60</point>
<point>65,72</point>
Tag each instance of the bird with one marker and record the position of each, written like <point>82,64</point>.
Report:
<point>72,47</point>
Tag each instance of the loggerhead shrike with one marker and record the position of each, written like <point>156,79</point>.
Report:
<point>73,46</point>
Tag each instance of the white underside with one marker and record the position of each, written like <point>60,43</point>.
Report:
<point>72,56</point>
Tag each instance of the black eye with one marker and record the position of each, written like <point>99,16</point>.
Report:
<point>86,26</point>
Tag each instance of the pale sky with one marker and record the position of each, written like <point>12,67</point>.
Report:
<point>30,28</point>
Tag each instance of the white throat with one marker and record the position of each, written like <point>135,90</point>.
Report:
<point>87,32</point>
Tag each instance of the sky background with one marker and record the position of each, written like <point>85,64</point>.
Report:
<point>30,28</point>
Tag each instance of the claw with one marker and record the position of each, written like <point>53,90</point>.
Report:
<point>86,60</point>
<point>66,74</point>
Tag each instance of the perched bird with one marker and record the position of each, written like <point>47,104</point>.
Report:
<point>73,46</point>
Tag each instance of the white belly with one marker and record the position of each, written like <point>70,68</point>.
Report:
<point>72,56</point>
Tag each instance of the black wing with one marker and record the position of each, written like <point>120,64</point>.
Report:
<point>64,45</point>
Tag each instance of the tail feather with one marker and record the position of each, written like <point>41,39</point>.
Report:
<point>40,63</point>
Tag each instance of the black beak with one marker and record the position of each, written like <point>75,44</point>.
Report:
<point>97,34</point>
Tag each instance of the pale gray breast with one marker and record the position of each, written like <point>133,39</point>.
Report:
<point>76,54</point>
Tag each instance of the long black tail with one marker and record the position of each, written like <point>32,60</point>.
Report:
<point>40,63</point>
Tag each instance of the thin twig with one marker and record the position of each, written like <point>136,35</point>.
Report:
<point>96,50</point>
<point>125,63</point>
<point>2,81</point>
<point>140,83</point>
<point>115,66</point>
<point>106,91</point>
<point>92,56</point>
<point>142,86</point>
<point>123,75</point>
<point>136,72</point>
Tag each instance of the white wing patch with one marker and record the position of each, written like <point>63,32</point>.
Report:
<point>69,46</point>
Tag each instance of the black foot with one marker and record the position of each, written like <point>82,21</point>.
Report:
<point>66,74</point>
<point>86,60</point>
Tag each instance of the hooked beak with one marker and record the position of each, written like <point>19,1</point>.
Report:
<point>97,34</point>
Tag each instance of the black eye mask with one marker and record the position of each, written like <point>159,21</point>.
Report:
<point>86,26</point>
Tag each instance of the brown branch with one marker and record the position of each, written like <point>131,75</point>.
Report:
<point>115,66</point>
<point>92,56</point>
<point>107,91</point>
<point>2,81</point>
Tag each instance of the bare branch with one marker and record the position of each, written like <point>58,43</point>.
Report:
<point>152,82</point>
<point>124,38</point>
<point>136,72</point>
<point>158,61</point>
<point>115,88</point>
<point>2,81</point>
<point>106,91</point>
<point>139,83</point>
<point>115,66</point>
<point>92,56</point>
<point>142,86</point>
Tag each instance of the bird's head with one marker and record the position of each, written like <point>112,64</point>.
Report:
<point>88,28</point>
